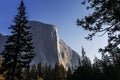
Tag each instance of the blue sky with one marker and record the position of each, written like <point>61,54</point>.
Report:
<point>61,13</point>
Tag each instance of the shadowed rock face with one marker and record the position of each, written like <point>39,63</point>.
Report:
<point>49,48</point>
<point>45,43</point>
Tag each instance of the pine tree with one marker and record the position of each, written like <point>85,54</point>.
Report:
<point>33,72</point>
<point>97,69</point>
<point>18,51</point>
<point>26,74</point>
<point>105,19</point>
<point>85,60</point>
<point>83,70</point>
<point>59,72</point>
<point>48,73</point>
<point>69,74</point>
<point>39,70</point>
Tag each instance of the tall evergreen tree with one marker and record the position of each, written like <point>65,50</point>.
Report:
<point>27,74</point>
<point>33,72</point>
<point>69,74</point>
<point>39,70</point>
<point>18,51</point>
<point>83,70</point>
<point>85,60</point>
<point>105,18</point>
<point>59,72</point>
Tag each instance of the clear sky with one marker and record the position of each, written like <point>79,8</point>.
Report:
<point>61,13</point>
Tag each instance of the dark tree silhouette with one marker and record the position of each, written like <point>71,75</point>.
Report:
<point>59,72</point>
<point>69,74</point>
<point>106,12</point>
<point>85,60</point>
<point>83,71</point>
<point>18,51</point>
<point>33,73</point>
<point>105,19</point>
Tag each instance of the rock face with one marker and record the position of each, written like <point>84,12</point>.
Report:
<point>49,48</point>
<point>67,56</point>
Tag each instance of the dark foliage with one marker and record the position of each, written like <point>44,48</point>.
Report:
<point>105,19</point>
<point>18,51</point>
<point>45,72</point>
<point>99,70</point>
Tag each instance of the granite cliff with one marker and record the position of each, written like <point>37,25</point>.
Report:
<point>49,48</point>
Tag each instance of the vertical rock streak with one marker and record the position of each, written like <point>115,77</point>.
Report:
<point>49,48</point>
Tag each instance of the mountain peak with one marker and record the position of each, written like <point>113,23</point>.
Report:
<point>49,48</point>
